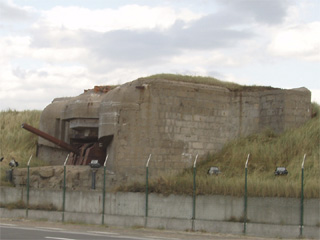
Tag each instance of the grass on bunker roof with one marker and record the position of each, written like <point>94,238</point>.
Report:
<point>206,80</point>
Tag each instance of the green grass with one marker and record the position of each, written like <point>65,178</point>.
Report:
<point>16,142</point>
<point>205,80</point>
<point>267,151</point>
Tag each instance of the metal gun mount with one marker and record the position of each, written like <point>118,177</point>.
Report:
<point>81,155</point>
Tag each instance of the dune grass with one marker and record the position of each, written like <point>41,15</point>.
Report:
<point>16,142</point>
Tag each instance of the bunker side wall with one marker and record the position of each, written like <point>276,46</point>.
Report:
<point>176,121</point>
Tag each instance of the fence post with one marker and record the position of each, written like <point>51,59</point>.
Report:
<point>28,185</point>
<point>104,189</point>
<point>147,185</point>
<point>64,187</point>
<point>194,192</point>
<point>302,196</point>
<point>245,196</point>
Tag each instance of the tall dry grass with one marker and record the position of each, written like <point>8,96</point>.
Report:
<point>16,142</point>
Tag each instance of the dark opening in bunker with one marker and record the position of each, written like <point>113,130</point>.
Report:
<point>84,136</point>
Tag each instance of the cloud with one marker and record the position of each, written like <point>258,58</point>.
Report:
<point>128,17</point>
<point>206,34</point>
<point>123,48</point>
<point>300,41</point>
<point>11,12</point>
<point>64,50</point>
<point>34,89</point>
<point>131,34</point>
<point>207,59</point>
<point>13,47</point>
<point>262,11</point>
<point>20,48</point>
<point>55,37</point>
<point>315,95</point>
<point>130,46</point>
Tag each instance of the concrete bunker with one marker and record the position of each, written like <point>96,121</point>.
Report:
<point>172,120</point>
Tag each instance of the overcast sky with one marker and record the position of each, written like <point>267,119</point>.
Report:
<point>58,48</point>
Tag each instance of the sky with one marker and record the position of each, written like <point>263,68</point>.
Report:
<point>56,48</point>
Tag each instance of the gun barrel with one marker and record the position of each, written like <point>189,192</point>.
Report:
<point>50,138</point>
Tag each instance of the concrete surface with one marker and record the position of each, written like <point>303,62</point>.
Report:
<point>274,217</point>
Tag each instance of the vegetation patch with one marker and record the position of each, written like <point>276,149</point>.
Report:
<point>15,142</point>
<point>22,205</point>
<point>14,205</point>
<point>206,80</point>
<point>235,219</point>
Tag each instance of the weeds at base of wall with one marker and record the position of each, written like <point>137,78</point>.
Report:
<point>15,205</point>
<point>22,205</point>
<point>194,231</point>
<point>239,219</point>
<point>41,220</point>
<point>5,183</point>
<point>137,227</point>
<point>47,207</point>
<point>76,223</point>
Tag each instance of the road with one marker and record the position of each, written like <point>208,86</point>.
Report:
<point>18,232</point>
<point>36,230</point>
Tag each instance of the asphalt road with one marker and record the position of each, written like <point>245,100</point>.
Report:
<point>36,230</point>
<point>18,232</point>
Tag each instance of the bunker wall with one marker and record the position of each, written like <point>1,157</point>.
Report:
<point>173,121</point>
<point>176,121</point>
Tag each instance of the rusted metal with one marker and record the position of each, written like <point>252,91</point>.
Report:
<point>88,152</point>
<point>50,138</point>
<point>79,156</point>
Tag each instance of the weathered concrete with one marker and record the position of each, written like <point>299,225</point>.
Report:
<point>274,217</point>
<point>219,208</point>
<point>212,207</point>
<point>130,204</point>
<point>172,120</point>
<point>89,218</point>
<point>125,221</point>
<point>282,211</point>
<point>253,229</point>
<point>53,216</point>
<point>51,177</point>
<point>219,226</point>
<point>169,223</point>
<point>180,206</point>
